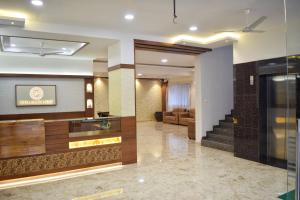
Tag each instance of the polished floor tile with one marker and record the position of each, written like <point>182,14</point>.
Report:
<point>170,167</point>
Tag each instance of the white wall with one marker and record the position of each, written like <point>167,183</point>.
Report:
<point>44,65</point>
<point>69,93</point>
<point>260,46</point>
<point>214,88</point>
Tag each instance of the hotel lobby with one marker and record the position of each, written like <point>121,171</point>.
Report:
<point>149,99</point>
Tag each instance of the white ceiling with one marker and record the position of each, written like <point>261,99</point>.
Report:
<point>153,17</point>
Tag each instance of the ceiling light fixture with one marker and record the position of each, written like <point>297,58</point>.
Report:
<point>164,60</point>
<point>129,17</point>
<point>12,45</point>
<point>140,74</point>
<point>174,12</point>
<point>64,48</point>
<point>37,2</point>
<point>193,28</point>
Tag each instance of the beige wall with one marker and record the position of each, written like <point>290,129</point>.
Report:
<point>121,93</point>
<point>101,95</point>
<point>148,99</point>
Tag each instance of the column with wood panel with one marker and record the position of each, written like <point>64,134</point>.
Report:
<point>121,73</point>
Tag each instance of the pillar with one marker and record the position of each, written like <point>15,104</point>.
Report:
<point>121,93</point>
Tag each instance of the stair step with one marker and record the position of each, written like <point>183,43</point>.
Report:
<point>229,118</point>
<point>216,145</point>
<point>221,138</point>
<point>226,124</point>
<point>224,131</point>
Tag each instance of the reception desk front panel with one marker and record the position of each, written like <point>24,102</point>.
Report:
<point>22,138</point>
<point>99,142</point>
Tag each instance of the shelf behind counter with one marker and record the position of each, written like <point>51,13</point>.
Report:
<point>64,144</point>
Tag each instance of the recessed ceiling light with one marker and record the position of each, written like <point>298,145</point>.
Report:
<point>12,45</point>
<point>64,48</point>
<point>129,17</point>
<point>193,28</point>
<point>37,2</point>
<point>140,74</point>
<point>164,60</point>
<point>141,180</point>
<point>12,23</point>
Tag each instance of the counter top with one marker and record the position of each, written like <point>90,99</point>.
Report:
<point>83,119</point>
<point>20,121</point>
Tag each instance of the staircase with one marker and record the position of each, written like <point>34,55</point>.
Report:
<point>222,135</point>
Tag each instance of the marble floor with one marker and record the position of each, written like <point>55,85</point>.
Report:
<point>170,167</point>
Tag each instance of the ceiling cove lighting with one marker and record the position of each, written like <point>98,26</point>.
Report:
<point>37,2</point>
<point>193,28</point>
<point>211,39</point>
<point>129,17</point>
<point>9,13</point>
<point>164,60</point>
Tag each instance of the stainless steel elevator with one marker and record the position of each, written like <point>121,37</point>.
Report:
<point>278,125</point>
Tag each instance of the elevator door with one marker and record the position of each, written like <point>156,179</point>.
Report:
<point>275,120</point>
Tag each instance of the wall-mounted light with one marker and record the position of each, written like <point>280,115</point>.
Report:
<point>89,103</point>
<point>89,88</point>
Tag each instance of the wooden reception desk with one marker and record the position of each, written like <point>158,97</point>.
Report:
<point>35,147</point>
<point>22,138</point>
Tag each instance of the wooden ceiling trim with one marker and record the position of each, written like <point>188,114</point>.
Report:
<point>169,48</point>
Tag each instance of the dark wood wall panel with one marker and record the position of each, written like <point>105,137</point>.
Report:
<point>89,112</point>
<point>246,112</point>
<point>168,47</point>
<point>129,145</point>
<point>164,87</point>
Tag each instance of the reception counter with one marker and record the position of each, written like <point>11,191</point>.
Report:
<point>35,147</point>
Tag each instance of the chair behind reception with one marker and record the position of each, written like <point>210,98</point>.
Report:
<point>103,114</point>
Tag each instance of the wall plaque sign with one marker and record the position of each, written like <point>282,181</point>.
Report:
<point>35,95</point>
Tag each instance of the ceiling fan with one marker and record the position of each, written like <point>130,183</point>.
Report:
<point>249,28</point>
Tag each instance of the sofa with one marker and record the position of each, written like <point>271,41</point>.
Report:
<point>173,116</point>
<point>185,117</point>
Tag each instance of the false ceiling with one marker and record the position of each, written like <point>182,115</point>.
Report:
<point>78,46</point>
<point>151,17</point>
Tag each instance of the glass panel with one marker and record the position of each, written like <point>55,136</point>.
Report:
<point>92,127</point>
<point>293,69</point>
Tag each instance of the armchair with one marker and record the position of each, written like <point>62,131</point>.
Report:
<point>186,117</point>
<point>172,117</point>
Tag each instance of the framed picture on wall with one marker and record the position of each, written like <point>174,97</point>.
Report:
<point>35,95</point>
